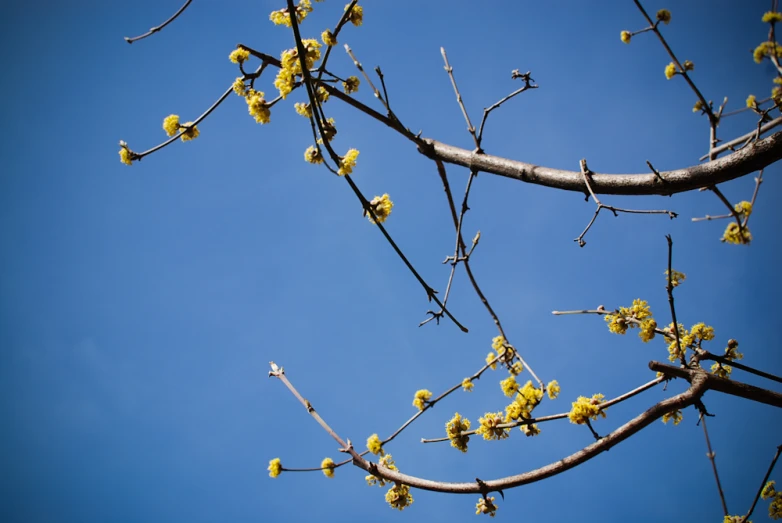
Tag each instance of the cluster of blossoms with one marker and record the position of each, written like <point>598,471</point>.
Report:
<point>275,467</point>
<point>291,65</point>
<point>467,384</point>
<point>731,354</point>
<point>327,465</point>
<point>675,415</point>
<point>486,506</point>
<point>585,409</point>
<point>421,398</point>
<point>375,446</point>
<point>676,277</point>
<point>735,233</point>
<point>638,315</point>
<point>775,508</point>
<point>735,519</point>
<point>126,156</point>
<point>504,353</point>
<point>386,462</point>
<point>663,15</point>
<point>381,206</point>
<point>351,84</point>
<point>172,126</point>
<point>283,17</point>
<point>348,162</point>
<point>454,428</point>
<point>691,339</point>
<point>257,105</point>
<point>489,428</point>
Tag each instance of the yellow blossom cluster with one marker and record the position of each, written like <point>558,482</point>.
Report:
<point>172,126</point>
<point>351,84</point>
<point>348,162</point>
<point>699,333</point>
<point>303,109</point>
<point>752,102</point>
<point>467,384</point>
<point>625,36</point>
<point>291,65</point>
<point>766,49</point>
<point>239,56</point>
<point>489,426</point>
<point>454,428</point>
<point>736,234</point>
<point>697,107</point>
<point>386,462</point>
<point>675,415</point>
<point>327,465</point>
<point>239,86</point>
<point>189,132</point>
<point>527,398</point>
<point>282,17</point>
<point>585,408</point>
<point>275,467</point>
<point>328,38</point>
<point>670,70</point>
<point>257,106</point>
<point>375,446</point>
<point>399,497</point>
<point>769,492</point>
<point>503,350</point>
<point>126,156</point>
<point>421,398</point>
<point>509,386</point>
<point>743,208</point>
<point>486,506</point>
<point>664,16</point>
<point>356,15</point>
<point>735,519</point>
<point>381,206</point>
<point>638,315</point>
<point>553,389</point>
<point>313,155</point>
<point>731,354</point>
<point>676,277</point>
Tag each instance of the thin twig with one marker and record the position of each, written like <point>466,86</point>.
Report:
<point>161,26</point>
<point>763,483</point>
<point>711,455</point>
<point>527,85</point>
<point>470,126</point>
<point>669,288</point>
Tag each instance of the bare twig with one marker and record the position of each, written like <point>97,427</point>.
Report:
<point>763,483</point>
<point>711,455</point>
<point>161,26</point>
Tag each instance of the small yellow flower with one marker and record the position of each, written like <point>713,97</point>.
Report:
<point>303,109</point>
<point>257,106</point>
<point>489,429</point>
<point>171,124</point>
<point>420,399</point>
<point>399,497</point>
<point>516,368</point>
<point>736,235</point>
<point>385,461</point>
<point>275,467</point>
<point>697,107</point>
<point>768,490</point>
<point>626,36</point>
<point>744,208</point>
<point>732,350</point>
<point>486,506</point>
<point>239,56</point>
<point>766,49</point>
<point>322,94</point>
<point>752,102</point>
<point>772,17</point>
<point>125,154</point>
<point>585,408</point>
<point>381,206</point>
<point>239,87</point>
<point>720,370</point>
<point>467,385</point>
<point>189,132</point>
<point>313,155</point>
<point>328,467</point>
<point>498,344</point>
<point>553,389</point>
<point>616,323</point>
<point>348,162</point>
<point>330,131</point>
<point>454,428</point>
<point>356,15</point>
<point>375,446</point>
<point>664,16</point>
<point>530,429</point>
<point>676,416</point>
<point>351,84</point>
<point>490,360</point>
<point>670,70</point>
<point>328,38</point>
<point>647,330</point>
<point>282,17</point>
<point>284,82</point>
<point>676,277</point>
<point>509,386</point>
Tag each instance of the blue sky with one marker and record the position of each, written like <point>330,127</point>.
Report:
<point>140,306</point>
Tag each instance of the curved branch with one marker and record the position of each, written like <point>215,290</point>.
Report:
<point>750,159</point>
<point>161,26</point>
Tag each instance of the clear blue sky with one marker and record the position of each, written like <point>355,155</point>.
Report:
<point>140,306</point>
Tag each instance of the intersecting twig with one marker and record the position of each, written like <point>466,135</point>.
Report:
<point>763,483</point>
